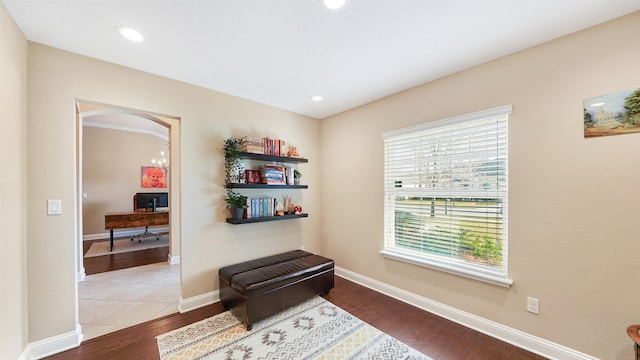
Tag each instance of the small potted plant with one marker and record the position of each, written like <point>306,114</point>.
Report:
<point>296,177</point>
<point>237,203</point>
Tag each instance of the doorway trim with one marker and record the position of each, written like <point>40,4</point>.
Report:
<point>85,108</point>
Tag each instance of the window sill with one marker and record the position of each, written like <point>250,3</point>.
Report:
<point>448,268</point>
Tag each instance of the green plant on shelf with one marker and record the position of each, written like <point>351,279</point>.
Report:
<point>296,177</point>
<point>233,165</point>
<point>235,200</point>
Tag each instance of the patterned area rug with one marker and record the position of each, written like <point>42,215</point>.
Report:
<point>315,329</point>
<point>126,245</point>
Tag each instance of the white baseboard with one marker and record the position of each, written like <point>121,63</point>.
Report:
<point>80,276</point>
<point>509,335</point>
<point>124,233</point>
<point>56,344</point>
<point>198,301</point>
<point>173,259</point>
<point>53,345</point>
<point>534,344</point>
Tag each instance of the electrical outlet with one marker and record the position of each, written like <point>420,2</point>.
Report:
<point>533,305</point>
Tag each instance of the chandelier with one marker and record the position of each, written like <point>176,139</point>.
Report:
<point>162,163</point>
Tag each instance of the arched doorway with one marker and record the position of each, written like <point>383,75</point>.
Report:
<point>136,124</point>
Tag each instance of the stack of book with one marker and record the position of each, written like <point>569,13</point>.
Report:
<point>253,145</point>
<point>261,207</point>
<point>273,175</point>
<point>268,146</point>
<point>275,147</point>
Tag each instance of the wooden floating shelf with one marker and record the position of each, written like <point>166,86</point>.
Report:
<point>265,186</point>
<point>262,157</point>
<point>266,218</point>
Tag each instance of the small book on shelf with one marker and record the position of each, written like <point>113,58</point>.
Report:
<point>272,174</point>
<point>263,206</point>
<point>277,147</point>
<point>253,145</point>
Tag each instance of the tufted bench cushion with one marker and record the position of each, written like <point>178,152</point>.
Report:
<point>228,272</point>
<point>261,280</point>
<point>256,289</point>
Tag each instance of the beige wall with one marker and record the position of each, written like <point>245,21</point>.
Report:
<point>574,237</point>
<point>111,167</point>
<point>573,233</point>
<point>56,78</point>
<point>13,190</point>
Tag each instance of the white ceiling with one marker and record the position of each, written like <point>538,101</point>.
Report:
<point>280,52</point>
<point>124,122</point>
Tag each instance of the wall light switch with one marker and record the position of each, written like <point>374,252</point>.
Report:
<point>533,305</point>
<point>54,207</point>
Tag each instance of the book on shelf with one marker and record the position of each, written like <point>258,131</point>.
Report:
<point>277,147</point>
<point>261,207</point>
<point>268,146</point>
<point>272,174</point>
<point>253,145</point>
<point>288,174</point>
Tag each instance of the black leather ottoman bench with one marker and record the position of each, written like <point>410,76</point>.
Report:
<point>256,289</point>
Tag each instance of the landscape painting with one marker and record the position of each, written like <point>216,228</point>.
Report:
<point>612,114</point>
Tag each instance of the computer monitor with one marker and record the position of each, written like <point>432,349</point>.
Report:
<point>152,201</point>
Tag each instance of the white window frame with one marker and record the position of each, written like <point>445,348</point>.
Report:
<point>454,266</point>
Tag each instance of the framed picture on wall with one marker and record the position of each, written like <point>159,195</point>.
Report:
<point>153,177</point>
<point>612,114</point>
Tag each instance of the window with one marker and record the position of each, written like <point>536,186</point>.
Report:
<point>446,195</point>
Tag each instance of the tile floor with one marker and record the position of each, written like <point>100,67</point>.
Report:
<point>118,299</point>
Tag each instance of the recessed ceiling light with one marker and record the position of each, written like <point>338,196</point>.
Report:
<point>334,4</point>
<point>316,98</point>
<point>129,33</point>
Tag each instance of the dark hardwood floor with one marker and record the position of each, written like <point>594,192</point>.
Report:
<point>434,336</point>
<point>99,264</point>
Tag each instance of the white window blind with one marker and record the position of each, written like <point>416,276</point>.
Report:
<point>446,190</point>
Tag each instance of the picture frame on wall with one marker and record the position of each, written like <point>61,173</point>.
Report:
<point>153,177</point>
<point>612,114</point>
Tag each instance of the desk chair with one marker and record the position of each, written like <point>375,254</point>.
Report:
<point>146,233</point>
<point>632,331</point>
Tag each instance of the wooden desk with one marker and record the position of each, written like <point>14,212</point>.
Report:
<point>122,220</point>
